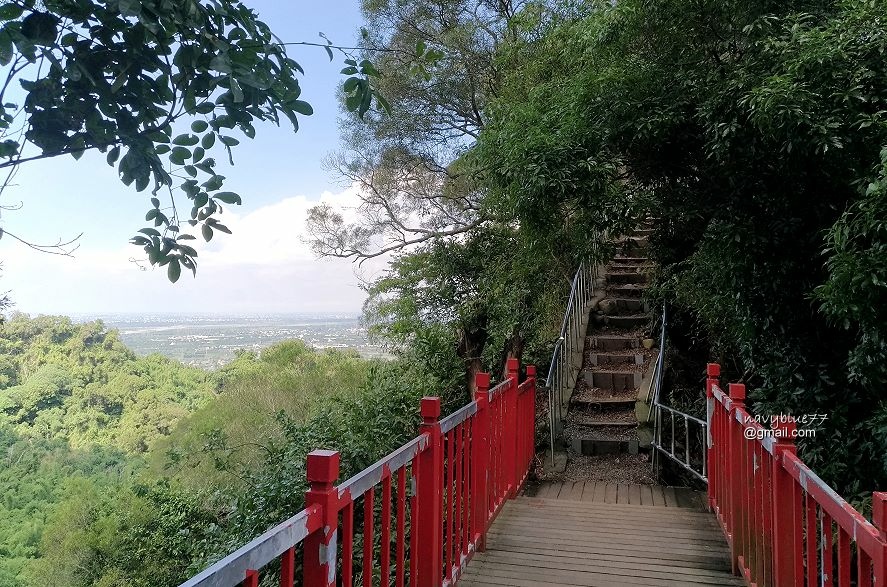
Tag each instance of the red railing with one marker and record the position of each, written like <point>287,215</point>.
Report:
<point>414,518</point>
<point>784,525</point>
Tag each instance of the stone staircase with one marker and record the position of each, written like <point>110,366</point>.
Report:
<point>607,412</point>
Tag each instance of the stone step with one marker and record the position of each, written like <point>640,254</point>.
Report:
<point>624,278</point>
<point>609,424</point>
<point>614,342</point>
<point>601,359</point>
<point>617,306</point>
<point>632,242</point>
<point>615,401</point>
<point>627,290</point>
<point>642,231</point>
<point>613,379</point>
<point>628,322</point>
<point>596,446</point>
<point>629,267</point>
<point>627,259</point>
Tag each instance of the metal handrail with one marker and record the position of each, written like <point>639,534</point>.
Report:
<point>656,410</point>
<point>561,375</point>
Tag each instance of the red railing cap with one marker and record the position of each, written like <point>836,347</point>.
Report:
<point>713,370</point>
<point>531,370</point>
<point>430,408</point>
<point>482,380</point>
<point>322,466</point>
<point>512,365</point>
<point>736,392</point>
<point>879,510</point>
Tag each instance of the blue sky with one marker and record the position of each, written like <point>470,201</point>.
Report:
<point>265,266</point>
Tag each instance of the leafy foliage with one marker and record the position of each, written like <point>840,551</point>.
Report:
<point>160,87</point>
<point>747,128</point>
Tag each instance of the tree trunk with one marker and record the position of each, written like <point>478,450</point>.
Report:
<point>472,340</point>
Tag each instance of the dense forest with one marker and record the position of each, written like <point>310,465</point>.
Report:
<point>131,470</point>
<point>515,136</point>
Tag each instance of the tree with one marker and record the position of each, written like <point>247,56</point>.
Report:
<point>750,129</point>
<point>413,184</point>
<point>160,87</point>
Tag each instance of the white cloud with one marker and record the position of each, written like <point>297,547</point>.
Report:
<point>265,266</point>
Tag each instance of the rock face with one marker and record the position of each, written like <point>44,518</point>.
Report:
<point>602,415</point>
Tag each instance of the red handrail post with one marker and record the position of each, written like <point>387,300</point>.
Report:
<point>480,454</point>
<point>786,540</point>
<point>879,519</point>
<point>530,423</point>
<point>735,473</point>
<point>429,498</point>
<point>713,372</point>
<point>511,425</point>
<point>320,547</point>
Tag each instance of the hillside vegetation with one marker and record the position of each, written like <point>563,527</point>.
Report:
<point>120,470</point>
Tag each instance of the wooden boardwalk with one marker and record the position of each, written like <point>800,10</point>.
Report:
<point>603,535</point>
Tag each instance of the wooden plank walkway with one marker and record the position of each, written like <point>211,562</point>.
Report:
<point>591,534</point>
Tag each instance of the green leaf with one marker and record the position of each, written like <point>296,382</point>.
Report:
<point>228,197</point>
<point>229,141</point>
<point>351,70</point>
<point>207,232</point>
<point>236,91</point>
<point>130,7</point>
<point>208,140</point>
<point>199,126</point>
<point>204,107</point>
<point>186,140</point>
<point>174,270</point>
<point>302,107</point>
<point>155,202</point>
<point>213,183</point>
<point>41,28</point>
<point>179,155</point>
<point>113,154</point>
<point>10,11</point>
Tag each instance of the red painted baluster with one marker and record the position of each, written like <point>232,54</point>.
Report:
<point>429,499</point>
<point>827,553</point>
<point>414,517</point>
<point>737,473</point>
<point>288,567</point>
<point>466,486</point>
<point>368,534</point>
<point>798,505</point>
<point>531,419</point>
<point>348,544</point>
<point>713,371</point>
<point>320,546</point>
<point>400,571</point>
<point>449,510</point>
<point>843,558</point>
<point>386,529</point>
<point>456,535</point>
<point>252,578</point>
<point>480,452</point>
<point>879,519</point>
<point>787,522</point>
<point>863,569</point>
<point>812,541</point>
<point>510,428</point>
